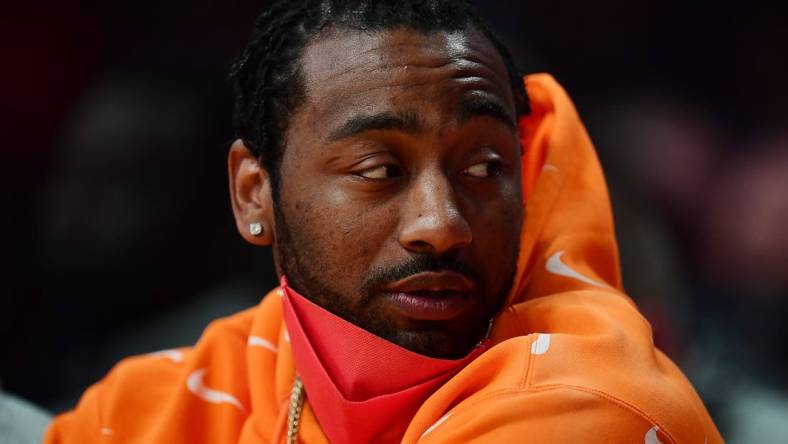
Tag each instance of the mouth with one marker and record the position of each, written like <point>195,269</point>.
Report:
<point>432,296</point>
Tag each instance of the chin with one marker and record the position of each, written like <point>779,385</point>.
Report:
<point>436,342</point>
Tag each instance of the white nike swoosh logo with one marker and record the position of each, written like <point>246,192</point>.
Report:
<point>541,344</point>
<point>651,436</point>
<point>175,356</point>
<point>437,423</point>
<point>257,341</point>
<point>549,167</point>
<point>555,265</point>
<point>196,385</point>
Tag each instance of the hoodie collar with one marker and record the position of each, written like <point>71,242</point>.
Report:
<point>361,387</point>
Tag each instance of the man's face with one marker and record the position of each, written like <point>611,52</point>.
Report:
<point>400,204</point>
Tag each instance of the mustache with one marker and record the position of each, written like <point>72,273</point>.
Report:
<point>381,276</point>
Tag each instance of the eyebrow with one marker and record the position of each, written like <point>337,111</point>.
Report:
<point>402,121</point>
<point>479,107</point>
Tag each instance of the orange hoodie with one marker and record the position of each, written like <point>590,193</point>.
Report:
<point>572,359</point>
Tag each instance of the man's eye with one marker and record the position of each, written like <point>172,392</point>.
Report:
<point>483,170</point>
<point>381,172</point>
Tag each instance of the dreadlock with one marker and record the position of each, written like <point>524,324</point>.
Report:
<point>267,80</point>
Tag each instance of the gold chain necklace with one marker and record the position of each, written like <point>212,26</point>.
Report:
<point>297,395</point>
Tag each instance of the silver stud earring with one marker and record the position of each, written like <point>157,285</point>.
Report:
<point>256,228</point>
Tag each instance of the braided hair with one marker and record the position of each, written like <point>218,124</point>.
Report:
<point>267,79</point>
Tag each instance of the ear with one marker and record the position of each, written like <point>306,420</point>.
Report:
<point>250,194</point>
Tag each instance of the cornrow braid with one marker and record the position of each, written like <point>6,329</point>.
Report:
<point>266,81</point>
<point>267,78</point>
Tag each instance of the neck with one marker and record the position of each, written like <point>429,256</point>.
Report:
<point>353,377</point>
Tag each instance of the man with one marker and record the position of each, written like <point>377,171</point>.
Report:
<point>446,253</point>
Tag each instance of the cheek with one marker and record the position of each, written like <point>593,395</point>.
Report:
<point>498,235</point>
<point>341,235</point>
<point>500,226</point>
<point>511,212</point>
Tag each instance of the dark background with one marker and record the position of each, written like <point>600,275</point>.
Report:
<point>116,235</point>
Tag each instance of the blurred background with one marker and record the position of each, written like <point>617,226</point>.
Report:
<point>116,235</point>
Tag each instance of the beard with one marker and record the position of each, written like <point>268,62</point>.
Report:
<point>309,273</point>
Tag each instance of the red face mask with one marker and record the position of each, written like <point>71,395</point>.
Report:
<point>361,387</point>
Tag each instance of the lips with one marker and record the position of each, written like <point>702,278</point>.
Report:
<point>433,281</point>
<point>432,295</point>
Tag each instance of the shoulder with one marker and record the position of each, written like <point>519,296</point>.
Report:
<point>559,412</point>
<point>599,379</point>
<point>140,390</point>
<point>145,375</point>
<point>548,415</point>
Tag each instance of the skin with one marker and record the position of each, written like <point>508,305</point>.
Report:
<point>403,158</point>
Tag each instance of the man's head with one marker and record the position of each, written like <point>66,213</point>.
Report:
<point>378,147</point>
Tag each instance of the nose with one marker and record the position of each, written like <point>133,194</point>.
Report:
<point>432,222</point>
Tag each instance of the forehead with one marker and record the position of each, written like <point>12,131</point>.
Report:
<point>347,70</point>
